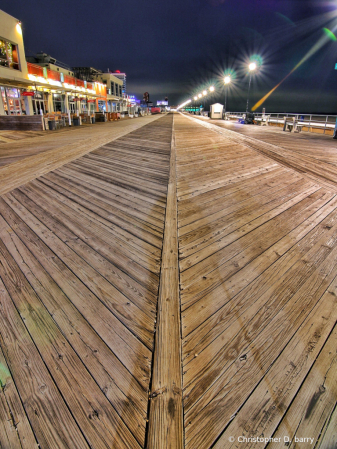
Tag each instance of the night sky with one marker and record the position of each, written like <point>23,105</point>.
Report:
<point>176,48</point>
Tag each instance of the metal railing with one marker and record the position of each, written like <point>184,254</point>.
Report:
<point>309,121</point>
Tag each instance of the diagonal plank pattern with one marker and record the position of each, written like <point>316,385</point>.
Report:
<point>258,267</point>
<point>80,252</point>
<point>96,350</point>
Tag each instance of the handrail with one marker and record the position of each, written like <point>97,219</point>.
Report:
<point>319,121</point>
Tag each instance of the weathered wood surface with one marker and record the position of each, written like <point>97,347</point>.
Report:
<point>11,136</point>
<point>313,154</point>
<point>29,158</point>
<point>81,239</point>
<point>166,407</point>
<point>80,251</point>
<point>21,122</point>
<point>258,270</point>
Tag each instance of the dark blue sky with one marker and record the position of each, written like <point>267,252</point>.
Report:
<point>174,48</point>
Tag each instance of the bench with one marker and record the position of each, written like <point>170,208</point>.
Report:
<point>265,120</point>
<point>291,124</point>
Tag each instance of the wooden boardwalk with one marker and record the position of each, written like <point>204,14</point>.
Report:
<point>173,287</point>
<point>80,256</point>
<point>258,253</point>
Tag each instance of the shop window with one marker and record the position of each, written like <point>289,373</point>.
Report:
<point>58,101</point>
<point>12,102</point>
<point>9,56</point>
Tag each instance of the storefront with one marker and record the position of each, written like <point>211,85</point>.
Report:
<point>40,103</point>
<point>58,103</point>
<point>92,106</point>
<point>84,106</point>
<point>101,106</point>
<point>12,101</point>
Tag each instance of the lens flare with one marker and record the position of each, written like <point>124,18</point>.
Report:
<point>285,19</point>
<point>323,40</point>
<point>257,59</point>
<point>330,34</point>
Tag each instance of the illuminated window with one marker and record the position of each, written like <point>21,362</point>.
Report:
<point>9,55</point>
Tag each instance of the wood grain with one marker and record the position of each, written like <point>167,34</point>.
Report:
<point>166,412</point>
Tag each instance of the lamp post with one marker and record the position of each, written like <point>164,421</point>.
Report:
<point>199,96</point>
<point>195,104</point>
<point>252,67</point>
<point>227,81</point>
<point>204,93</point>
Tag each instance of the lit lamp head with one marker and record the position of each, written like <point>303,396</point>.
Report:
<point>195,98</point>
<point>211,89</point>
<point>252,66</point>
<point>204,92</point>
<point>200,95</point>
<point>227,79</point>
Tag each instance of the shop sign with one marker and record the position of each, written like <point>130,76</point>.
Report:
<point>38,95</point>
<point>27,94</point>
<point>91,101</point>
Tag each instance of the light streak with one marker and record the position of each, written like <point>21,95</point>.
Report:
<point>184,104</point>
<point>322,41</point>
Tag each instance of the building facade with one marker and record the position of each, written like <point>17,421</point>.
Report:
<point>42,85</point>
<point>122,77</point>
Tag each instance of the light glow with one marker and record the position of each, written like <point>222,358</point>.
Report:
<point>195,98</point>
<point>204,92</point>
<point>310,53</point>
<point>200,95</point>
<point>184,104</point>
<point>227,79</point>
<point>211,89</point>
<point>252,66</point>
<point>19,28</point>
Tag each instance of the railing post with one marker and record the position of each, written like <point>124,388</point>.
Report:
<point>326,122</point>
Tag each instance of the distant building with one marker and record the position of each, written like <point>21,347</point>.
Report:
<point>114,87</point>
<point>122,77</point>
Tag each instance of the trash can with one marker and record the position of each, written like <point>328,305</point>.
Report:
<point>52,125</point>
<point>76,121</point>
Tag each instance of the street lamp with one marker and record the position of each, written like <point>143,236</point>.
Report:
<point>195,106</point>
<point>211,89</point>
<point>204,93</point>
<point>252,66</point>
<point>227,81</point>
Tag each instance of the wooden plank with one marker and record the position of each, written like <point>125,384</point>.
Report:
<point>313,405</point>
<point>23,171</point>
<point>12,411</point>
<point>328,438</point>
<point>279,386</point>
<point>318,169</point>
<point>22,122</point>
<point>235,386</point>
<point>117,336</point>
<point>95,416</point>
<point>119,386</point>
<point>253,281</point>
<point>276,280</point>
<point>44,404</point>
<point>166,411</point>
